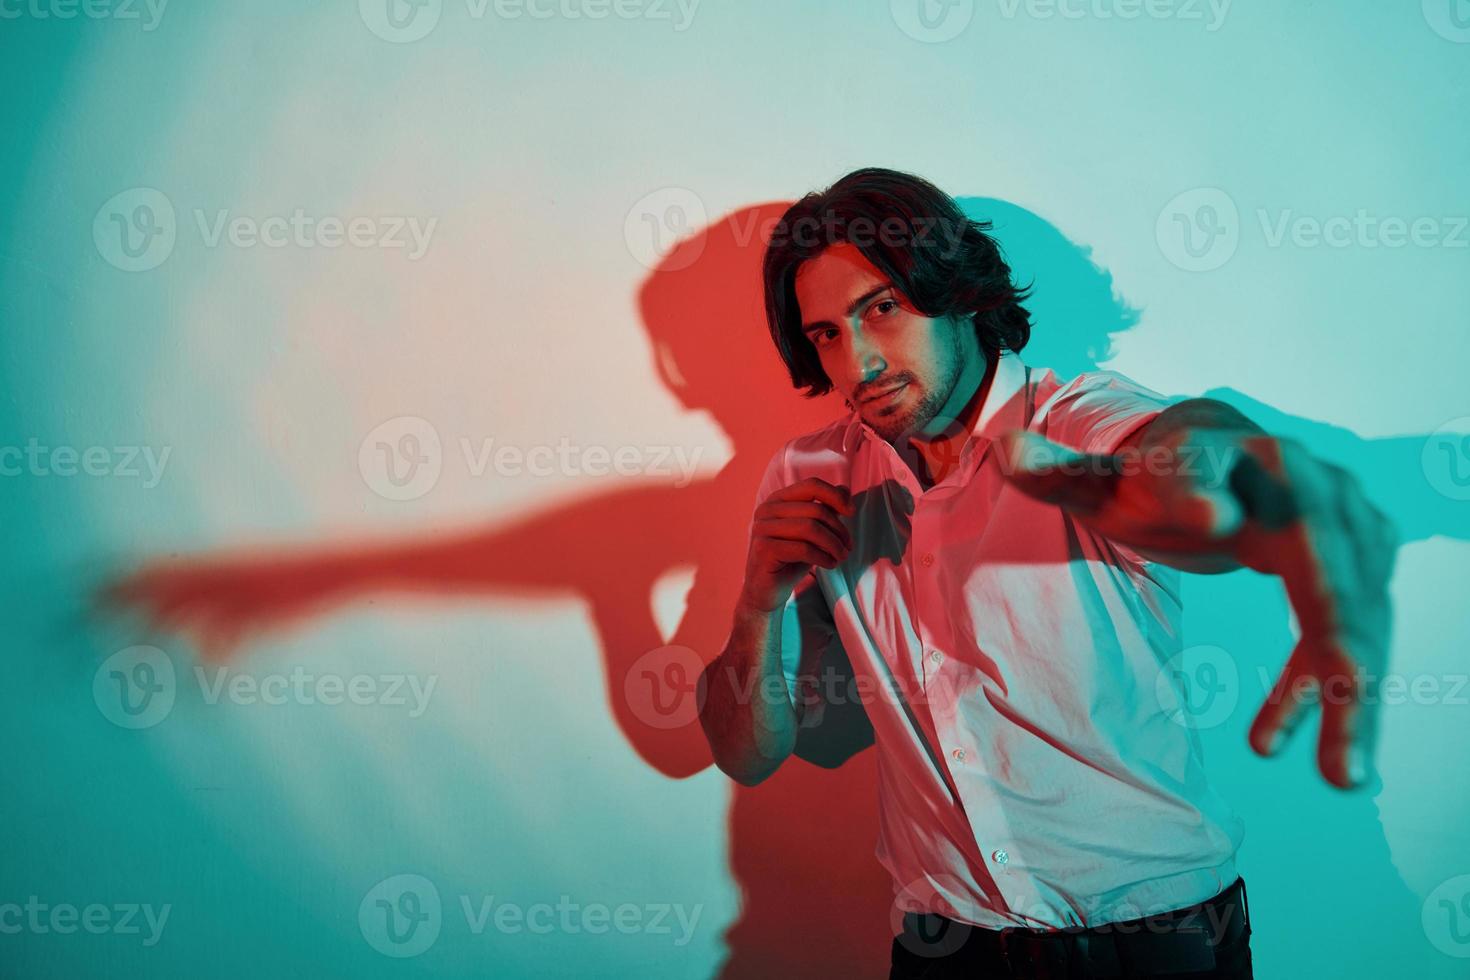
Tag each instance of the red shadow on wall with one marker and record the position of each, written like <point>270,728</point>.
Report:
<point>814,898</point>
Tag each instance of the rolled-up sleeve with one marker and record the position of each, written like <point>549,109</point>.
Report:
<point>1097,411</point>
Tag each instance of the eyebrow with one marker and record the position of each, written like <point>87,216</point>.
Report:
<point>852,307</point>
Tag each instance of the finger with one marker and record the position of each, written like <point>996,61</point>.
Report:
<point>815,488</point>
<point>1056,474</point>
<point>1349,726</point>
<point>1283,711</point>
<point>811,532</point>
<point>807,511</point>
<point>792,552</point>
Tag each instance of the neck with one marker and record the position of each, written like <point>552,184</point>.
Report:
<point>940,441</point>
<point>956,418</point>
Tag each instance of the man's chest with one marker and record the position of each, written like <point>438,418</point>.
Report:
<point>962,573</point>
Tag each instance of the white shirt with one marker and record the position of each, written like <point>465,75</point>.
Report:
<point>1014,666</point>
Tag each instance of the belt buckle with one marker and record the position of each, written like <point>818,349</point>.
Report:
<point>1015,948</point>
<point>1022,947</point>
<point>1099,952</point>
<point>1003,939</point>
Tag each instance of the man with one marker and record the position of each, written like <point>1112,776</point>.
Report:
<point>996,552</point>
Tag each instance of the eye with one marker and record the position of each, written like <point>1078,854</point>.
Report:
<point>819,335</point>
<point>884,306</point>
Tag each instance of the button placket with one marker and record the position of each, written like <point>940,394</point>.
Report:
<point>920,584</point>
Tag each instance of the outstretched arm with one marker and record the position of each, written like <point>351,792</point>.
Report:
<point>1203,488</point>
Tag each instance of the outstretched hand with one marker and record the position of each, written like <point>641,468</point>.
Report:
<point>217,603</point>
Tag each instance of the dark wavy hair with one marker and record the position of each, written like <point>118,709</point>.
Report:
<point>914,233</point>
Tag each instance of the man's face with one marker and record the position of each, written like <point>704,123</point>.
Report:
<point>871,339</point>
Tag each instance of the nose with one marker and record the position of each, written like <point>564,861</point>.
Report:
<point>868,363</point>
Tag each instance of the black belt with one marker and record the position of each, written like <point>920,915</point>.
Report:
<point>1179,941</point>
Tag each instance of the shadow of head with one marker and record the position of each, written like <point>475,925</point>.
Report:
<point>703,307</point>
<point>1076,310</point>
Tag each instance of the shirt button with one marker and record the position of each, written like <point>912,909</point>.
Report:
<point>926,559</point>
<point>936,658</point>
<point>999,855</point>
<point>959,755</point>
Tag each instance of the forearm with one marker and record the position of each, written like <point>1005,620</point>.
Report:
<point>746,710</point>
<point>1195,413</point>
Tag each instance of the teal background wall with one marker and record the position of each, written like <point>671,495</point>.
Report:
<point>1277,192</point>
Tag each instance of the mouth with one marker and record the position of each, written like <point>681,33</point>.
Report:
<point>886,395</point>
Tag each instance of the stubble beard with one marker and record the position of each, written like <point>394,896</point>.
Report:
<point>895,428</point>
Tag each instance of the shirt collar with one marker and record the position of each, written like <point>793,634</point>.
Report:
<point>1001,411</point>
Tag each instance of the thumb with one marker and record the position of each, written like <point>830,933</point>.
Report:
<point>1056,474</point>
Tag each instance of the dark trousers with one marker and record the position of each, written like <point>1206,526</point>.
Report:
<point>1208,940</point>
